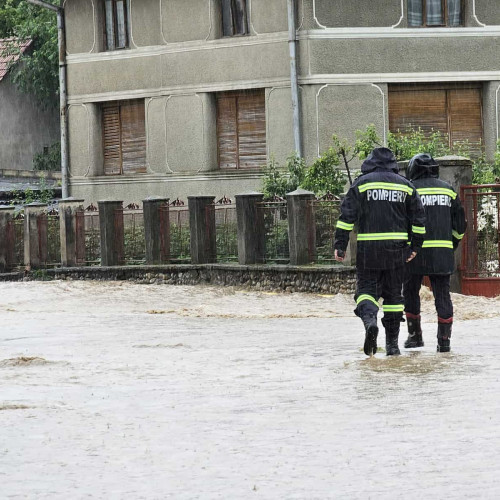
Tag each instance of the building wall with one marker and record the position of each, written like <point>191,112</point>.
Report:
<point>178,60</point>
<point>25,128</point>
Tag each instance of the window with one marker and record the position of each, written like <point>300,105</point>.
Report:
<point>124,137</point>
<point>455,110</point>
<point>241,129</point>
<point>435,12</point>
<point>116,24</point>
<point>234,17</point>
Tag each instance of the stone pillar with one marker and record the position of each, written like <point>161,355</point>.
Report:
<point>301,230</point>
<point>112,234</point>
<point>202,229</point>
<point>156,229</point>
<point>35,235</point>
<point>251,234</point>
<point>457,171</point>
<point>71,231</point>
<point>7,240</point>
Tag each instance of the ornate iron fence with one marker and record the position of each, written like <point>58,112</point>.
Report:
<point>180,236</point>
<point>226,230</point>
<point>481,244</point>
<point>324,213</point>
<point>275,216</point>
<point>88,249</point>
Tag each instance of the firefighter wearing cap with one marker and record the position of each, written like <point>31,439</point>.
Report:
<point>445,227</point>
<point>390,220</point>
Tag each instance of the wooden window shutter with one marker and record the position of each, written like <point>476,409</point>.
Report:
<point>452,109</point>
<point>133,137</point>
<point>466,118</point>
<point>241,129</point>
<point>418,108</point>
<point>112,139</point>
<point>227,132</point>
<point>252,130</point>
<point>124,136</point>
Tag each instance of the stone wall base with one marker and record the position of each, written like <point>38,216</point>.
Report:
<point>328,280</point>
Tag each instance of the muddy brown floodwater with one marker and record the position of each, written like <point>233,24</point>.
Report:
<point>123,391</point>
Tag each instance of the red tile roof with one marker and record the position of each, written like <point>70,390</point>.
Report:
<point>16,46</point>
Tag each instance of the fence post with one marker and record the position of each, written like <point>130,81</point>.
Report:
<point>156,229</point>
<point>202,229</point>
<point>299,224</point>
<point>112,235</point>
<point>70,231</point>
<point>250,221</point>
<point>7,240</point>
<point>35,235</point>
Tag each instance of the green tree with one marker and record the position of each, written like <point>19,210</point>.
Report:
<point>38,73</point>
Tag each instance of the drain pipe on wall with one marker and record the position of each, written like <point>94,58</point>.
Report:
<point>63,109</point>
<point>292,44</point>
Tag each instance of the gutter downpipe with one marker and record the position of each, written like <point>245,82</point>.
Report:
<point>63,108</point>
<point>292,44</point>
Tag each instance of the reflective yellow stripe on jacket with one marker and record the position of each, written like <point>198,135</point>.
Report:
<point>385,185</point>
<point>447,192</point>
<point>458,236</point>
<point>345,225</point>
<point>382,236</point>
<point>437,244</point>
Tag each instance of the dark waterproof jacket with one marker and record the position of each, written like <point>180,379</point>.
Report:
<point>445,225</point>
<point>387,212</point>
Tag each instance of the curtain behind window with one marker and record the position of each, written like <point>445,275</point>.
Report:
<point>454,12</point>
<point>434,13</point>
<point>415,13</point>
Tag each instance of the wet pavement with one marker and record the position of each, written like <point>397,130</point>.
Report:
<point>115,390</point>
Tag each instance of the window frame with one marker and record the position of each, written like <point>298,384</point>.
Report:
<point>115,25</point>
<point>247,21</point>
<point>444,6</point>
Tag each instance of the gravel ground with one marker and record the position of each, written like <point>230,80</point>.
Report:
<point>123,391</point>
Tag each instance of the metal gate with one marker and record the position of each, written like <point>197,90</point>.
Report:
<point>480,268</point>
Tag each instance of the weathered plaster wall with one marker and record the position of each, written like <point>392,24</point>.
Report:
<point>25,128</point>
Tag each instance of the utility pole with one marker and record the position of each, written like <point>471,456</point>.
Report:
<point>63,108</point>
<point>292,44</point>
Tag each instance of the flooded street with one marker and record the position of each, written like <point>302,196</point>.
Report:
<point>123,391</point>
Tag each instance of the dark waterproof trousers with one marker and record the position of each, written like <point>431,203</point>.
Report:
<point>440,284</point>
<point>375,283</point>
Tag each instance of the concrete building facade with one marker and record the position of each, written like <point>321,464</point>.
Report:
<point>159,91</point>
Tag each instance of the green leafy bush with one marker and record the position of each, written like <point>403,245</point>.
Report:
<point>49,160</point>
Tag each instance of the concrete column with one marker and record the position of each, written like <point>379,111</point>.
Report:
<point>156,229</point>
<point>457,171</point>
<point>7,240</point>
<point>251,235</point>
<point>301,230</point>
<point>71,232</point>
<point>112,235</point>
<point>35,235</point>
<point>202,229</point>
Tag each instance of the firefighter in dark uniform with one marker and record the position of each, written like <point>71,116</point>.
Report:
<point>390,220</point>
<point>445,228</point>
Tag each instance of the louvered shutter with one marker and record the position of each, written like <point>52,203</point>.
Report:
<point>133,137</point>
<point>241,129</point>
<point>452,109</point>
<point>466,120</point>
<point>227,132</point>
<point>411,109</point>
<point>252,130</point>
<point>112,139</point>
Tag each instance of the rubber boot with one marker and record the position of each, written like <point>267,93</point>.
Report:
<point>371,332</point>
<point>443,337</point>
<point>414,332</point>
<point>391,336</point>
